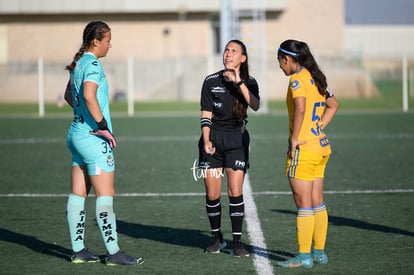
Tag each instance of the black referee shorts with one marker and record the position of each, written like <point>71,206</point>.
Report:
<point>232,150</point>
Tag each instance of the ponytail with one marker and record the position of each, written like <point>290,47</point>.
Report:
<point>77,56</point>
<point>300,52</point>
<point>94,30</point>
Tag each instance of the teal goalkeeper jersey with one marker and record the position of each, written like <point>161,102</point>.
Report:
<point>88,68</point>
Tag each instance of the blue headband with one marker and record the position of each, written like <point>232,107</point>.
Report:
<point>288,52</point>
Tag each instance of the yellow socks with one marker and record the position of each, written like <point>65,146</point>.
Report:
<point>321,227</point>
<point>305,223</point>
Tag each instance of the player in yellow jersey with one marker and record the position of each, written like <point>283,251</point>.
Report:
<point>311,107</point>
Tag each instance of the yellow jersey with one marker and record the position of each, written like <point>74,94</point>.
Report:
<point>301,84</point>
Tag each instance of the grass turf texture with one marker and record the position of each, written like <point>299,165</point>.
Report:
<point>369,233</point>
<point>390,99</point>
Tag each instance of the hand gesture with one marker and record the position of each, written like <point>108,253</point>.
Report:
<point>209,148</point>
<point>294,145</point>
<point>231,75</point>
<point>106,135</point>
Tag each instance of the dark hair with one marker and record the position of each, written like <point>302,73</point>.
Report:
<point>300,52</point>
<point>94,30</point>
<point>240,108</point>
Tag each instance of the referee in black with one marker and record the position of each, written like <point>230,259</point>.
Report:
<point>224,143</point>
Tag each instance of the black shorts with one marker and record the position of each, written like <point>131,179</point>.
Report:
<point>232,150</point>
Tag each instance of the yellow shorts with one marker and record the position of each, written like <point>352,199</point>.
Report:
<point>306,165</point>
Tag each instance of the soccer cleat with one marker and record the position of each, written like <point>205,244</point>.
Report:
<point>319,256</point>
<point>121,258</point>
<point>84,256</point>
<point>239,250</point>
<point>216,244</point>
<point>300,260</point>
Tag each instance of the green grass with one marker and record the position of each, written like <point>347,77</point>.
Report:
<point>390,99</point>
<point>116,108</point>
<point>369,233</point>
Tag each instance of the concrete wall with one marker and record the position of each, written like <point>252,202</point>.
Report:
<point>376,41</point>
<point>28,32</point>
<point>127,6</point>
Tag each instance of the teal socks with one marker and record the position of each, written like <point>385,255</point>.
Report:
<point>75,214</point>
<point>105,217</point>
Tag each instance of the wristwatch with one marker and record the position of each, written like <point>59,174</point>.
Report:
<point>239,83</point>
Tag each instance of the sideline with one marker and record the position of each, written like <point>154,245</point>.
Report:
<point>254,230</point>
<point>197,194</point>
<point>28,140</point>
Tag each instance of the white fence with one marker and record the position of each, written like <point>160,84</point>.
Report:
<point>169,80</point>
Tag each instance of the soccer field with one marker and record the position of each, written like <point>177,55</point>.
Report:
<point>160,202</point>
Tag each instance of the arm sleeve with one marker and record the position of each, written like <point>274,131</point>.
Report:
<point>206,100</point>
<point>329,93</point>
<point>297,86</point>
<point>93,72</point>
<point>253,87</point>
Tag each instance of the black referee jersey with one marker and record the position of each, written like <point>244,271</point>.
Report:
<point>219,95</point>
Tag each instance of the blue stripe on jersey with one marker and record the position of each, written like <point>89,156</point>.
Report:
<point>293,164</point>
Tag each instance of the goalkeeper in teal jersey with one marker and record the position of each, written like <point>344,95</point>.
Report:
<point>93,151</point>
<point>90,141</point>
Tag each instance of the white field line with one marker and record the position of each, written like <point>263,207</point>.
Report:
<point>195,114</point>
<point>195,138</point>
<point>255,232</point>
<point>199,194</point>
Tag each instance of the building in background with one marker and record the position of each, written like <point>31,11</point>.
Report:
<point>172,44</point>
<point>383,37</point>
<point>167,47</point>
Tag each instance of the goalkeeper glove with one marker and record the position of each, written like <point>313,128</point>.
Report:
<point>104,132</point>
